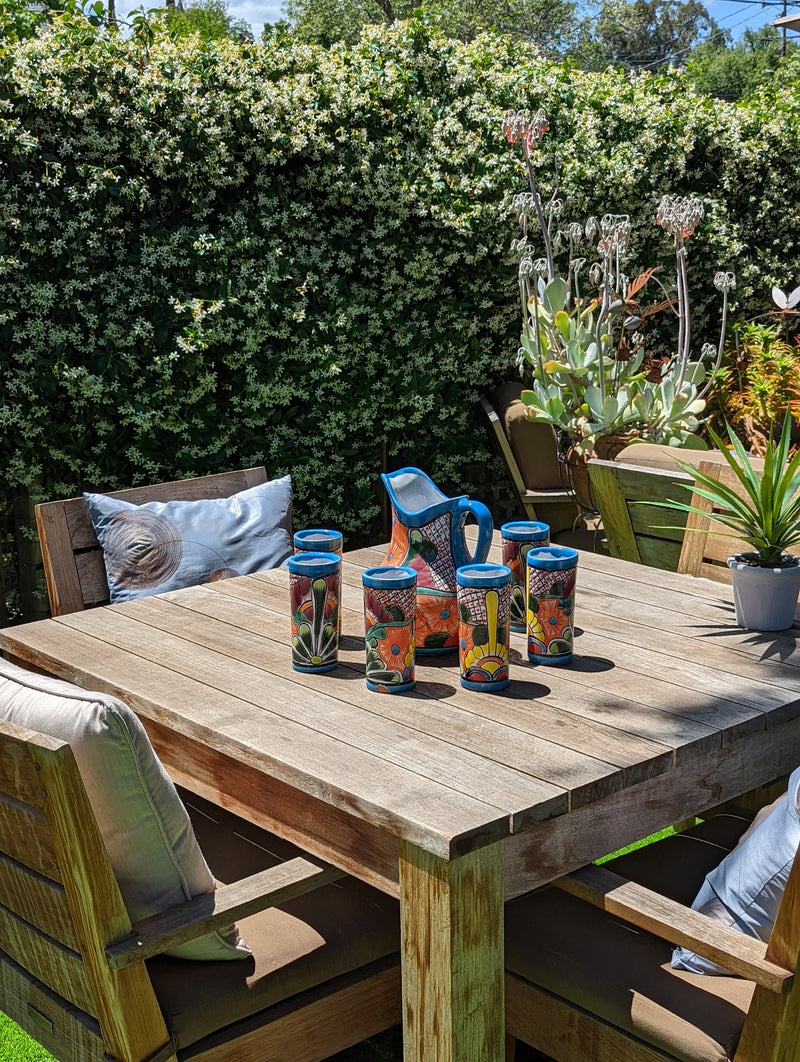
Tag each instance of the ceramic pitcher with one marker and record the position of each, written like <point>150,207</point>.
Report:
<point>428,536</point>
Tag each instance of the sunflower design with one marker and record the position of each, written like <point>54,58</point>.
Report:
<point>484,647</point>
<point>141,549</point>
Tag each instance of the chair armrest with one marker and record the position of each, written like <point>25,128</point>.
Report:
<point>642,907</point>
<point>213,910</point>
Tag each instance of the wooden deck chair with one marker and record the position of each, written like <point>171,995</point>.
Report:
<point>73,560</point>
<point>588,973</point>
<point>531,499</point>
<point>707,544</point>
<point>645,534</point>
<point>90,987</point>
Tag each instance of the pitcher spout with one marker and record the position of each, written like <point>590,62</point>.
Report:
<point>414,494</point>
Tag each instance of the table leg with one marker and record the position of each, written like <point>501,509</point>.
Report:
<point>452,952</point>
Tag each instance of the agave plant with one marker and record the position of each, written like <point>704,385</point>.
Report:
<point>766,515</point>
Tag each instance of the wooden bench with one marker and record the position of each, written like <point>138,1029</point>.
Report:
<point>72,966</point>
<point>73,560</point>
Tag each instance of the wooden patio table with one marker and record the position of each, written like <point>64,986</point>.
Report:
<point>451,799</point>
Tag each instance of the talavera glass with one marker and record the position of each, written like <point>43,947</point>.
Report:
<point>315,589</point>
<point>389,614</point>
<point>484,596</point>
<point>551,603</point>
<point>517,538</point>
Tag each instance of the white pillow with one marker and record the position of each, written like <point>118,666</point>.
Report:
<point>160,546</point>
<point>150,841</point>
<point>746,889</point>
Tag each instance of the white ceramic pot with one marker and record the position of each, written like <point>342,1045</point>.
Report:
<point>765,598</point>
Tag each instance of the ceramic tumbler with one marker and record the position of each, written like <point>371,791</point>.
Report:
<point>517,538</point>
<point>551,572</point>
<point>484,598</point>
<point>318,540</point>
<point>390,602</point>
<point>315,590</point>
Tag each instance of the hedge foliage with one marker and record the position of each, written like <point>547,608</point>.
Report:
<point>215,255</point>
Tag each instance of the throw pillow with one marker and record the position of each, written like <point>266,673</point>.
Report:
<point>160,546</point>
<point>147,833</point>
<point>746,889</point>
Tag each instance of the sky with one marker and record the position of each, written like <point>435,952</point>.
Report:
<point>733,15</point>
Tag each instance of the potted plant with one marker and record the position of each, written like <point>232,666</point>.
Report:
<point>762,509</point>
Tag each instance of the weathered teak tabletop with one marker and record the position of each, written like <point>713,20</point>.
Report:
<point>449,798</point>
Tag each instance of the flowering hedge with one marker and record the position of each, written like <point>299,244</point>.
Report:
<point>215,255</point>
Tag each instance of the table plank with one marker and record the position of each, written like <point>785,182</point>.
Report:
<point>433,815</point>
<point>548,744</point>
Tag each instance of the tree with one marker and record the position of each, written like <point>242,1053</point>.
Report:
<point>551,24</point>
<point>208,18</point>
<point>733,73</point>
<point>645,34</point>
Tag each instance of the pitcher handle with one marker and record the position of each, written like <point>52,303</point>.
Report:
<point>485,529</point>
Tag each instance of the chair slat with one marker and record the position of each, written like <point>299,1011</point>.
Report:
<point>58,967</point>
<point>741,954</point>
<point>25,836</point>
<point>64,1030</point>
<point>37,900</point>
<point>18,774</point>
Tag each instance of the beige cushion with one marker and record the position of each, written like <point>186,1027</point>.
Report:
<point>533,445</point>
<point>535,451</point>
<point>328,932</point>
<point>654,455</point>
<point>147,833</point>
<point>623,975</point>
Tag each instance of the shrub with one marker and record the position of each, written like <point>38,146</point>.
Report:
<point>215,255</point>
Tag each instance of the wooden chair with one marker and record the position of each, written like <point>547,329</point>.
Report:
<point>72,967</point>
<point>589,977</point>
<point>73,560</point>
<point>707,544</point>
<point>528,498</point>
<point>646,534</point>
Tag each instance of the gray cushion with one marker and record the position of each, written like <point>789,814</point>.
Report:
<point>746,889</point>
<point>623,975</point>
<point>150,842</point>
<point>160,546</point>
<point>328,932</point>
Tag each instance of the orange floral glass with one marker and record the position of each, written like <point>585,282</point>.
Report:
<point>551,574</point>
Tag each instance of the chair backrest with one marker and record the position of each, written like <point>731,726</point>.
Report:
<point>71,554</point>
<point>647,534</point>
<point>61,908</point>
<point>554,504</point>
<point>708,544</point>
